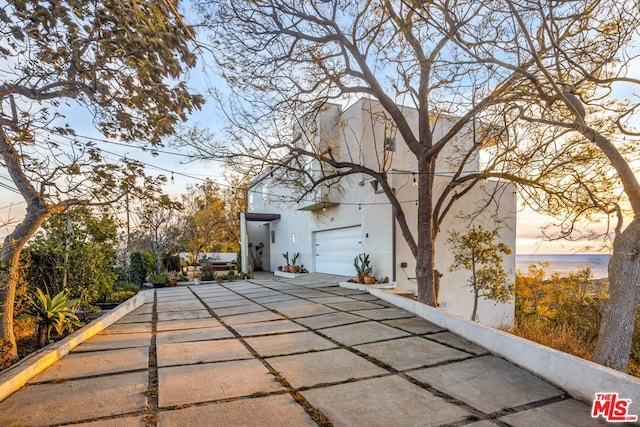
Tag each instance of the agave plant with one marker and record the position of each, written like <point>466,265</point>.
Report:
<point>57,312</point>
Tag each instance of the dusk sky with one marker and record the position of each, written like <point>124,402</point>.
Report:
<point>185,172</point>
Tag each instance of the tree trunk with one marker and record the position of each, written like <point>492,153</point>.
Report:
<point>425,261</point>
<point>10,256</point>
<point>474,313</point>
<point>619,311</point>
<point>42,335</point>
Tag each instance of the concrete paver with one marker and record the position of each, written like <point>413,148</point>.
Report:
<point>330,320</point>
<point>174,363</point>
<point>353,305</point>
<point>180,385</point>
<point>274,411</point>
<point>305,310</point>
<point>136,318</point>
<point>200,334</point>
<point>275,345</point>
<point>414,325</point>
<point>104,341</point>
<point>173,325</point>
<point>184,353</point>
<point>304,370</point>
<point>91,363</point>
<point>182,315</point>
<point>385,313</point>
<point>263,328</point>
<point>388,401</point>
<point>472,381</point>
<point>128,328</point>
<point>457,342</point>
<point>411,352</point>
<point>190,305</point>
<point>240,309</point>
<point>566,413</point>
<point>261,316</point>
<point>218,304</point>
<point>54,403</point>
<point>360,333</point>
<point>275,298</point>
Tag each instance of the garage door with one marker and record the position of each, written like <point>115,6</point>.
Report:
<point>335,250</point>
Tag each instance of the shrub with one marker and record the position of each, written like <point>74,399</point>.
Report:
<point>120,296</point>
<point>57,312</point>
<point>137,270</point>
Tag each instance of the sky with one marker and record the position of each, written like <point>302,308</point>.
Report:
<point>173,163</point>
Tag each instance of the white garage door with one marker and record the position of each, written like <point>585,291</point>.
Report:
<point>335,250</point>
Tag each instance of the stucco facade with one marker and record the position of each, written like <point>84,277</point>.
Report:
<point>356,207</point>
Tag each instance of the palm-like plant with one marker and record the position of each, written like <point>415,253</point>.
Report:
<point>57,312</point>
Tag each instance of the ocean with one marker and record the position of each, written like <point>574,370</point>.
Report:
<point>566,263</point>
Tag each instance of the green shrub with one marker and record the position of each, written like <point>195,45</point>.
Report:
<point>159,278</point>
<point>137,269</point>
<point>120,296</point>
<point>57,312</point>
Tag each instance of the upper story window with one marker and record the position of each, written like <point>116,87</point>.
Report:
<point>265,194</point>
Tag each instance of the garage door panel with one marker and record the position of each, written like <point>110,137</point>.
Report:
<point>335,250</point>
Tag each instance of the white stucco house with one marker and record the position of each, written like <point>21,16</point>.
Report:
<point>330,226</point>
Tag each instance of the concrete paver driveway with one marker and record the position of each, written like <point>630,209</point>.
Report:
<point>276,352</point>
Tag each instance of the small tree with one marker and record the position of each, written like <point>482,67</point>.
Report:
<point>476,251</point>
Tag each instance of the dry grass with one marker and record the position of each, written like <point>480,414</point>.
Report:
<point>560,337</point>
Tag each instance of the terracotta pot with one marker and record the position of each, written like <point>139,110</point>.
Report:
<point>286,268</point>
<point>369,280</point>
<point>359,278</point>
<point>294,268</point>
<point>219,280</point>
<point>257,264</point>
<point>173,282</point>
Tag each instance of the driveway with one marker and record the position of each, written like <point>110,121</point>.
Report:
<point>284,352</point>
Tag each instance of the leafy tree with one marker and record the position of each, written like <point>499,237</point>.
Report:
<point>531,290</point>
<point>475,250</point>
<point>566,100</point>
<point>78,260</point>
<point>160,228</point>
<point>211,217</point>
<point>120,62</point>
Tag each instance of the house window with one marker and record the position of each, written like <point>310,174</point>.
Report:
<point>251,201</point>
<point>265,194</point>
<point>390,144</point>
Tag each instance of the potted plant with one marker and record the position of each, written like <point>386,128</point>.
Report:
<point>197,277</point>
<point>172,276</point>
<point>363,267</point>
<point>159,280</point>
<point>219,278</point>
<point>256,254</point>
<point>293,267</point>
<point>285,268</point>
